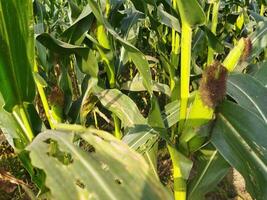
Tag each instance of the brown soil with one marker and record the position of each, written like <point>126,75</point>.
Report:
<point>12,174</point>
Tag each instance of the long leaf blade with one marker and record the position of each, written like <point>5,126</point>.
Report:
<point>239,135</point>
<point>251,96</point>
<point>211,168</point>
<point>16,52</point>
<point>110,170</point>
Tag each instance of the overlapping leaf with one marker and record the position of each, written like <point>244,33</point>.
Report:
<point>211,168</point>
<point>249,93</point>
<point>137,56</point>
<point>258,40</point>
<point>239,135</point>
<point>104,172</point>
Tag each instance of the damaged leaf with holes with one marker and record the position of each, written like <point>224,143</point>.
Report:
<point>103,168</point>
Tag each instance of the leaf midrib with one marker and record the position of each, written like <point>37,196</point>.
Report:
<point>204,171</point>
<point>250,99</point>
<point>246,146</point>
<point>11,60</point>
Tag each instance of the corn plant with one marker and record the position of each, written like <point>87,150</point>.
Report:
<point>93,91</point>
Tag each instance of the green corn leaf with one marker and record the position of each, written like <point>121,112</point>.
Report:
<point>239,135</point>
<point>107,170</point>
<point>75,10</point>
<point>140,5</point>
<point>134,54</point>
<point>143,137</point>
<point>11,129</point>
<point>65,85</point>
<point>61,47</point>
<point>248,93</point>
<point>156,122</point>
<point>88,64</point>
<point>86,58</point>
<point>168,19</point>
<point>171,113</point>
<point>210,169</point>
<point>184,163</point>
<point>191,12</point>
<point>137,85</point>
<point>16,52</point>
<point>88,100</point>
<point>122,106</point>
<point>258,18</point>
<point>151,156</point>
<point>39,80</point>
<point>258,40</point>
<point>76,33</point>
<point>213,41</point>
<point>128,22</point>
<point>139,135</point>
<point>154,117</point>
<point>261,74</point>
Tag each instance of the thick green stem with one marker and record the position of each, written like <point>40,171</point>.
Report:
<point>45,105</point>
<point>185,71</point>
<point>44,100</point>
<point>214,23</point>
<point>179,181</point>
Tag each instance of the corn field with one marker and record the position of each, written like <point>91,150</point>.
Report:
<point>98,95</point>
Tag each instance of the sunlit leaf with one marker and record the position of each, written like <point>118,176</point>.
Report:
<point>105,171</point>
